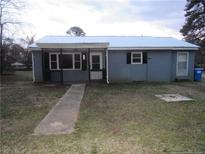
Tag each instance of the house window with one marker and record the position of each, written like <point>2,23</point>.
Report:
<point>69,61</point>
<point>77,61</point>
<point>136,57</point>
<point>53,61</point>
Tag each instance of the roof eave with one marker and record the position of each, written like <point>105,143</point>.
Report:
<point>73,45</point>
<point>153,48</point>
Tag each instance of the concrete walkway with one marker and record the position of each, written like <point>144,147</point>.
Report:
<point>61,119</point>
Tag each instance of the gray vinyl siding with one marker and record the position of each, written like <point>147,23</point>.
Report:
<point>161,66</point>
<point>120,71</point>
<point>37,61</point>
<point>191,64</point>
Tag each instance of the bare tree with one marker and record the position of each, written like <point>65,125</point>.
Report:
<point>76,31</point>
<point>8,11</point>
<point>27,54</point>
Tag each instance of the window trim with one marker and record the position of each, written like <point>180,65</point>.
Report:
<point>64,53</point>
<point>141,58</point>
<point>57,61</point>
<point>187,64</point>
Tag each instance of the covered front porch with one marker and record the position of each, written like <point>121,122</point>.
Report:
<point>74,65</point>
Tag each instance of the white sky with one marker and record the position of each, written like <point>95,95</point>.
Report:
<point>104,17</point>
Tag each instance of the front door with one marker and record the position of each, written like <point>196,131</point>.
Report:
<point>182,63</point>
<point>96,72</point>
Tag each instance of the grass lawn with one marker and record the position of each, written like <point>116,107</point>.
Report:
<point>119,118</point>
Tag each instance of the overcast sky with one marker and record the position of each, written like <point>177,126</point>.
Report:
<point>105,17</point>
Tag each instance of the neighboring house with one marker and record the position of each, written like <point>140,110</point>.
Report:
<point>112,59</point>
<point>18,65</point>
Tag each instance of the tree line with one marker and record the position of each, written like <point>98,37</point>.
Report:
<point>194,28</point>
<point>16,52</point>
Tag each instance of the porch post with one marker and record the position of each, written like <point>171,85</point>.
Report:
<point>61,69</point>
<point>89,63</point>
<point>43,64</point>
<point>33,66</point>
<point>107,77</point>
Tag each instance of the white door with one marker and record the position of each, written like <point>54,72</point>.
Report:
<point>96,72</point>
<point>182,63</point>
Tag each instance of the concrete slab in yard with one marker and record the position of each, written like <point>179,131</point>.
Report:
<point>173,97</point>
<point>61,119</point>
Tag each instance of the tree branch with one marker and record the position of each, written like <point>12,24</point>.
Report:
<point>11,22</point>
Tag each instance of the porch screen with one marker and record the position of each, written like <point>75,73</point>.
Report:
<point>95,62</point>
<point>71,61</point>
<point>67,61</point>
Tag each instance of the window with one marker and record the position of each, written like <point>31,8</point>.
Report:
<point>69,61</point>
<point>53,61</point>
<point>77,61</point>
<point>136,58</point>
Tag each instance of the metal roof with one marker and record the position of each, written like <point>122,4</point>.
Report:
<point>113,42</point>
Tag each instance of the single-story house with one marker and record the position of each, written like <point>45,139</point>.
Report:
<point>112,59</point>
